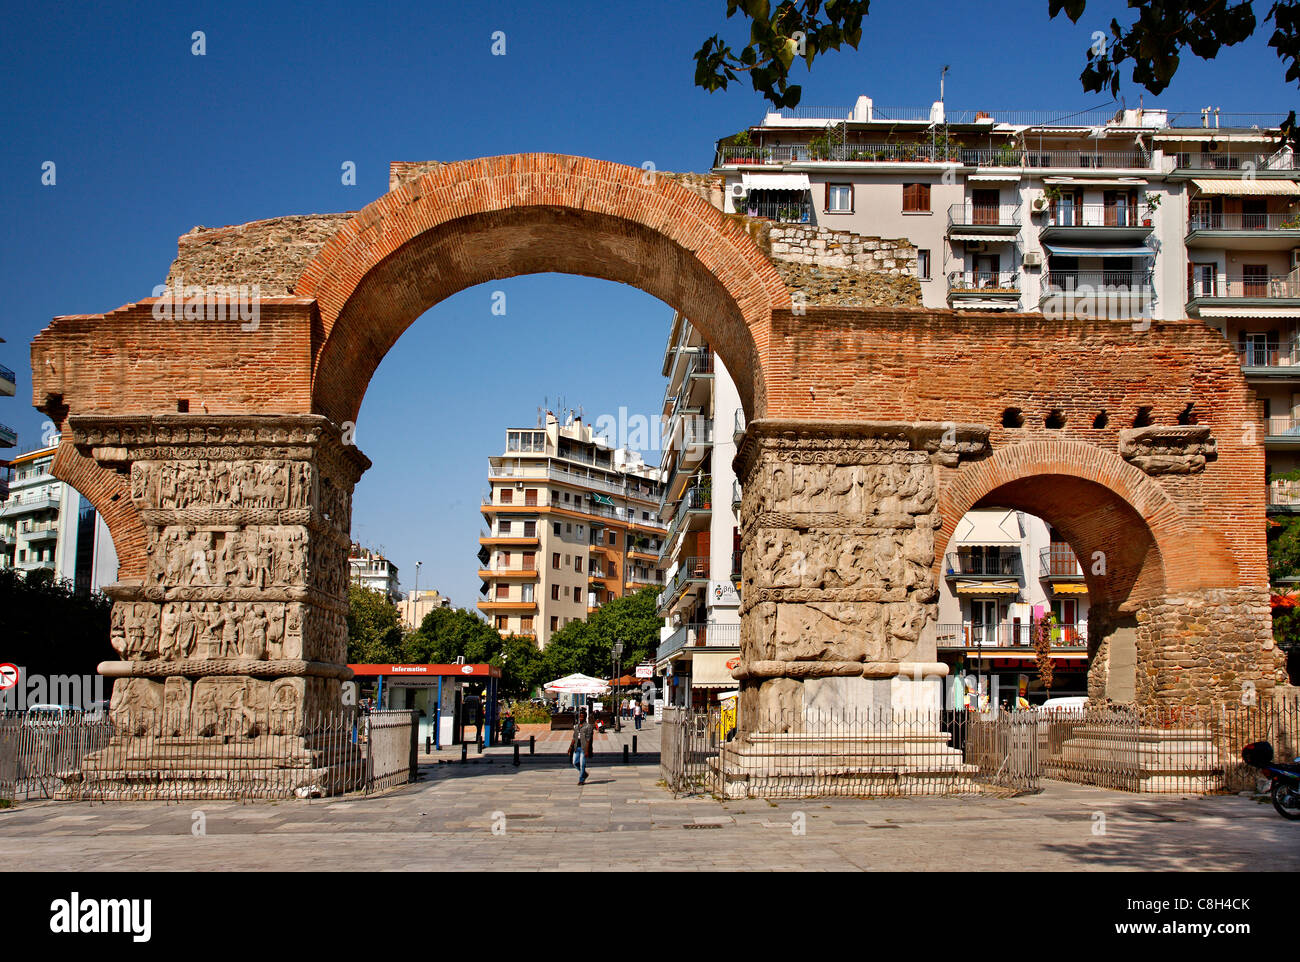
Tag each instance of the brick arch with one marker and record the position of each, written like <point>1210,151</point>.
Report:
<point>109,493</point>
<point>1098,502</point>
<point>475,221</point>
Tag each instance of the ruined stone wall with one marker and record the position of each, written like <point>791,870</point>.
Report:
<point>269,253</point>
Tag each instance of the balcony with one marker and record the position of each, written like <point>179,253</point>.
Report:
<point>696,502</point>
<point>1262,231</point>
<point>1279,161</point>
<point>981,222</point>
<point>1057,562</point>
<point>1103,293</point>
<point>526,574</point>
<point>707,635</point>
<point>1277,290</point>
<point>1269,359</point>
<point>984,289</point>
<point>967,635</point>
<point>691,571</point>
<point>737,557</point>
<point>8,437</point>
<point>1285,430</point>
<point>506,604</point>
<point>39,532</point>
<point>781,211</point>
<point>992,563</point>
<point>1092,223</point>
<point>1284,497</point>
<point>8,382</point>
<point>29,507</point>
<point>509,540</point>
<point>922,152</point>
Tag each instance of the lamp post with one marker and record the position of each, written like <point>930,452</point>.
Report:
<point>618,707</point>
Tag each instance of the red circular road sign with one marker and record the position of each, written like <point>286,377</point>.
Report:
<point>8,676</point>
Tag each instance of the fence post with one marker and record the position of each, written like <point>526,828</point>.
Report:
<point>625,749</point>
<point>415,744</point>
<point>633,744</point>
<point>464,752</point>
<point>516,756</point>
<point>532,744</point>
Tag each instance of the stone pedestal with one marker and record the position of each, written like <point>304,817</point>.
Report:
<point>839,606</point>
<point>1142,758</point>
<point>237,633</point>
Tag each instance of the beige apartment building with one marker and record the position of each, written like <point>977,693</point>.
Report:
<point>1126,214</point>
<point>572,524</point>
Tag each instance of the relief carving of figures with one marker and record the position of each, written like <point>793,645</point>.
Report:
<point>177,693</point>
<point>136,705</point>
<point>259,556</point>
<point>285,699</point>
<point>213,484</point>
<point>230,706</point>
<point>133,630</point>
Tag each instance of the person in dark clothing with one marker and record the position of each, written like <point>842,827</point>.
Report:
<point>580,745</point>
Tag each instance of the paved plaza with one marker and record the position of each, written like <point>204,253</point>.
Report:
<point>488,815</point>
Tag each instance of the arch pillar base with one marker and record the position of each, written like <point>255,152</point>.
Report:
<point>233,644</point>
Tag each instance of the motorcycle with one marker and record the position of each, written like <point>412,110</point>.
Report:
<point>1285,777</point>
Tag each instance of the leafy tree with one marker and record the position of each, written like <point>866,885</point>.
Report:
<point>374,627</point>
<point>447,634</point>
<point>48,629</point>
<point>1153,42</point>
<point>586,646</point>
<point>1284,564</point>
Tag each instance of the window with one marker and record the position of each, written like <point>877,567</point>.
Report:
<point>526,624</point>
<point>530,560</point>
<point>839,198</point>
<point>503,623</point>
<point>568,529</point>
<point>530,496</point>
<point>577,564</point>
<point>555,622</point>
<point>505,529</point>
<point>916,198</point>
<point>526,592</point>
<point>507,496</point>
<point>503,592</point>
<point>555,592</point>
<point>577,595</point>
<point>923,264</point>
<point>556,527</point>
<point>555,560</point>
<point>530,529</point>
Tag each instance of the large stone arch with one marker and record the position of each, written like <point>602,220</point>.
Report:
<point>466,223</point>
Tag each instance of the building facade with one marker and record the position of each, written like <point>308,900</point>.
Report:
<point>571,524</point>
<point>370,569</point>
<point>417,604</point>
<point>46,524</point>
<point>700,602</point>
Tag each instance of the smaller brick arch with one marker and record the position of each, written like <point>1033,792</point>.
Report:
<point>109,493</point>
<point>475,221</point>
<point>1098,502</point>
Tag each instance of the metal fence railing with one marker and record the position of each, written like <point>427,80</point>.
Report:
<point>804,754</point>
<point>219,755</point>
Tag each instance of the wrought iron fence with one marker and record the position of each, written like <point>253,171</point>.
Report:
<point>804,754</point>
<point>223,755</point>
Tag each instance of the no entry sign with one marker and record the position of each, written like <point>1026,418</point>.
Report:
<point>8,676</point>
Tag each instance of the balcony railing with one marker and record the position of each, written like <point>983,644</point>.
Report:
<point>1234,160</point>
<point>1284,494</point>
<point>999,564</point>
<point>1094,281</point>
<point>1008,635</point>
<point>6,374</point>
<point>1264,221</point>
<point>1277,286</point>
<point>984,215</point>
<point>781,211</point>
<point>937,153</point>
<point>696,498</point>
<point>706,635</point>
<point>1282,427</point>
<point>1058,561</point>
<point>987,281</point>
<point>737,557</point>
<point>1261,353</point>
<point>1097,215</point>
<point>689,570</point>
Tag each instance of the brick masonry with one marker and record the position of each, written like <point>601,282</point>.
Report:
<point>1177,511</point>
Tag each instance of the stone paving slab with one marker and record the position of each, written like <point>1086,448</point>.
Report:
<point>624,820</point>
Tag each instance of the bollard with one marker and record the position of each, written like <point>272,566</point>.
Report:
<point>633,744</point>
<point>480,745</point>
<point>428,744</point>
<point>624,754</point>
<point>464,752</point>
<point>532,744</point>
<point>516,756</point>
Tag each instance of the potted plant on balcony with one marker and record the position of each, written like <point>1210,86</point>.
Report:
<point>1152,205</point>
<point>743,142</point>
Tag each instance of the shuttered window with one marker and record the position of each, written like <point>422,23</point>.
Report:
<point>916,198</point>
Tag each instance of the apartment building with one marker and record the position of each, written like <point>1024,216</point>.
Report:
<point>1003,572</point>
<point>572,524</point>
<point>46,524</point>
<point>370,569</point>
<point>417,604</point>
<point>8,386</point>
<point>700,602</point>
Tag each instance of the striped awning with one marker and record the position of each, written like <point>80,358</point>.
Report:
<point>1238,187</point>
<point>776,181</point>
<point>988,587</point>
<point>1142,251</point>
<point>984,238</point>
<point>1070,588</point>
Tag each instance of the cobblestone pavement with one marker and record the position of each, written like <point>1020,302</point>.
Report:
<point>622,819</point>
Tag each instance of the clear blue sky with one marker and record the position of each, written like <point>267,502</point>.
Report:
<point>150,140</point>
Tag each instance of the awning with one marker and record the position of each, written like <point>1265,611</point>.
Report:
<point>985,238</point>
<point>709,669</point>
<point>992,177</point>
<point>988,587</point>
<point>1141,251</point>
<point>776,181</point>
<point>601,499</point>
<point>1218,137</point>
<point>1070,588</point>
<point>1096,181</point>
<point>1247,188</point>
<point>987,528</point>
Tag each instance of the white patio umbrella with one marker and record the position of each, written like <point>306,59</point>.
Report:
<point>577,684</point>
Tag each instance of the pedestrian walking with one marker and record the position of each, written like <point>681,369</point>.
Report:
<point>637,714</point>
<point>580,745</point>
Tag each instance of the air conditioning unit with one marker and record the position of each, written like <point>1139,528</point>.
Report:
<point>739,190</point>
<point>519,486</point>
<point>1033,259</point>
<point>1039,204</point>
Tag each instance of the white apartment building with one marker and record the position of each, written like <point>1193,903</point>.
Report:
<point>700,602</point>
<point>45,523</point>
<point>372,570</point>
<point>1003,572</point>
<point>572,524</point>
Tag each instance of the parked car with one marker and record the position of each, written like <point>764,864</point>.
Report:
<point>50,716</point>
<point>1074,703</point>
